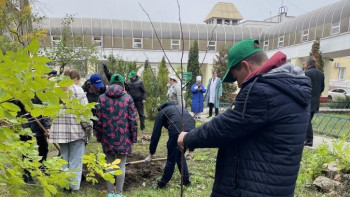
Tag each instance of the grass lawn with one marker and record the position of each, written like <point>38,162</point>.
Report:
<point>201,168</point>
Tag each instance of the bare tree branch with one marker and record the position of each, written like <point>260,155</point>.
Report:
<point>206,51</point>
<point>182,98</point>
<point>160,43</point>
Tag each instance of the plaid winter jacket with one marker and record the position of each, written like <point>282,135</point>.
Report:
<point>117,121</point>
<point>66,128</point>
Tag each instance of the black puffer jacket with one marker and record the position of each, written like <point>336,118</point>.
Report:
<point>317,83</point>
<point>136,89</point>
<point>261,140</point>
<point>32,124</point>
<point>169,116</point>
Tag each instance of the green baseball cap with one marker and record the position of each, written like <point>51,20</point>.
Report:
<point>237,53</point>
<point>132,74</point>
<point>117,78</point>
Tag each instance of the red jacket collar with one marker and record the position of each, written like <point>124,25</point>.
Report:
<point>278,59</point>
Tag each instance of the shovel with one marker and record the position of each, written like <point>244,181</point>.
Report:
<point>143,161</point>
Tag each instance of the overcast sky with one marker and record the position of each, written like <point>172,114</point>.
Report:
<point>192,11</point>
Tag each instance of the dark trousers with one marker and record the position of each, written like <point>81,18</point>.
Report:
<point>309,132</point>
<point>211,106</point>
<point>174,157</point>
<point>139,107</point>
<point>41,141</point>
<point>43,150</point>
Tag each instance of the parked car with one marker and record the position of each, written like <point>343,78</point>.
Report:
<point>338,93</point>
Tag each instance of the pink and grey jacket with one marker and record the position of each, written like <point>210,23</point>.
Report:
<point>117,121</point>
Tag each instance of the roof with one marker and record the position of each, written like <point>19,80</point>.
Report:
<point>224,10</point>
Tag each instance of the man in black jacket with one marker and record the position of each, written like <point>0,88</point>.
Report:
<point>40,134</point>
<point>317,83</point>
<point>94,87</point>
<point>261,140</point>
<point>137,91</point>
<point>169,116</point>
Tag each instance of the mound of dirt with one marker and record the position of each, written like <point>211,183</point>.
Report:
<point>137,175</point>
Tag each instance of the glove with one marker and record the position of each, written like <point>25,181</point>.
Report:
<point>148,159</point>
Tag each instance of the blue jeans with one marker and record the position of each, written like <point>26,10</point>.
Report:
<point>174,157</point>
<point>73,152</point>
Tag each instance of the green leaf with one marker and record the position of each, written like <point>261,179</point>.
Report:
<point>66,82</point>
<point>36,112</point>
<point>52,189</point>
<point>33,46</point>
<point>10,106</point>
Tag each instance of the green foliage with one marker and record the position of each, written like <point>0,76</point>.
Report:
<point>156,87</point>
<point>96,164</point>
<point>313,164</point>
<point>220,64</point>
<point>163,80</point>
<point>146,64</point>
<point>341,151</point>
<point>22,77</point>
<point>118,65</point>
<point>16,29</point>
<point>340,103</point>
<point>192,66</point>
<point>316,52</point>
<point>151,85</point>
<point>71,50</point>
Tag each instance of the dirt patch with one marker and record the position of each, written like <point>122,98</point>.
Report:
<point>137,175</point>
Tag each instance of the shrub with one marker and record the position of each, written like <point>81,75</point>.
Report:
<point>340,103</point>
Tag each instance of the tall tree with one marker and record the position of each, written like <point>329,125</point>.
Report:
<point>16,28</point>
<point>69,50</point>
<point>192,66</point>
<point>152,88</point>
<point>146,65</point>
<point>220,64</point>
<point>163,80</point>
<point>316,52</point>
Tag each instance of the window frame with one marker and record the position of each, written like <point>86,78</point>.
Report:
<point>55,42</point>
<point>280,41</point>
<point>341,73</point>
<point>174,44</point>
<point>335,26</point>
<point>97,42</point>
<point>217,21</point>
<point>305,35</point>
<point>209,45</point>
<point>135,43</point>
<point>266,46</point>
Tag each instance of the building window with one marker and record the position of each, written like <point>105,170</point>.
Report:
<point>219,21</point>
<point>175,44</point>
<point>211,45</point>
<point>97,41</point>
<point>266,45</point>
<point>227,22</point>
<point>305,36</point>
<point>281,41</point>
<point>341,73</point>
<point>335,28</point>
<point>55,40</point>
<point>137,43</point>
